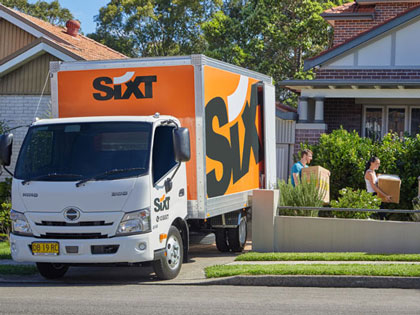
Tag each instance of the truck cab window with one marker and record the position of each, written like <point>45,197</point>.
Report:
<point>163,152</point>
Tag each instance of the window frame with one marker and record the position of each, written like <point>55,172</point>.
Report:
<point>406,119</point>
<point>365,107</point>
<point>411,116</point>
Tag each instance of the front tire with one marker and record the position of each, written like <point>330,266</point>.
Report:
<point>52,271</point>
<point>169,266</point>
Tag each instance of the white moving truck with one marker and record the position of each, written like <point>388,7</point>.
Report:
<point>140,152</point>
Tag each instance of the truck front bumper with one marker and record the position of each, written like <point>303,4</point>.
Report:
<point>130,249</point>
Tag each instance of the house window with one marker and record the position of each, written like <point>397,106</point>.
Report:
<point>396,120</point>
<point>415,121</point>
<point>373,123</point>
<point>378,120</point>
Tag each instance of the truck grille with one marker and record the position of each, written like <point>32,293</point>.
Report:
<point>84,223</point>
<point>72,236</point>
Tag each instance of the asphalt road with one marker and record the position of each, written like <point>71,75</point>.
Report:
<point>180,299</point>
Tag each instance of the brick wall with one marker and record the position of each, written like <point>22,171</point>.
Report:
<point>309,136</point>
<point>369,74</point>
<point>20,111</point>
<point>337,112</point>
<point>345,29</point>
<point>342,112</point>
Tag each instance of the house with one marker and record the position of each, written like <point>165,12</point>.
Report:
<point>27,45</point>
<point>369,81</point>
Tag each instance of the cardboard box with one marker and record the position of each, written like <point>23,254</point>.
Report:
<point>322,176</point>
<point>390,184</point>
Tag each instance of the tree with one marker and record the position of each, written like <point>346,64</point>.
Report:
<point>154,27</point>
<point>50,12</point>
<point>269,36</point>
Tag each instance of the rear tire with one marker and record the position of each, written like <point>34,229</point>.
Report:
<point>237,236</point>
<point>52,271</point>
<point>221,240</point>
<point>169,266</point>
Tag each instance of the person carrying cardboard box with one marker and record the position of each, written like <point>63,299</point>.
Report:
<point>305,159</point>
<point>372,180</point>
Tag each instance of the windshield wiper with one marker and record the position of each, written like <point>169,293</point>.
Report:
<point>45,176</point>
<point>110,172</point>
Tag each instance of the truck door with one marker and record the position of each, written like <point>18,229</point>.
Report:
<point>166,205</point>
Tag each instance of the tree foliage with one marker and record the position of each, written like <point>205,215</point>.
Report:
<point>154,27</point>
<point>50,12</point>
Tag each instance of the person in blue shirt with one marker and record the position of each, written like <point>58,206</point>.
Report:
<point>306,158</point>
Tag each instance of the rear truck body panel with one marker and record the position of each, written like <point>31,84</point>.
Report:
<point>229,111</point>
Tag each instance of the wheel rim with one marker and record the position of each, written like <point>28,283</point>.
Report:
<point>242,232</point>
<point>173,252</point>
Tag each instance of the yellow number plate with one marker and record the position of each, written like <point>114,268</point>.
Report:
<point>41,248</point>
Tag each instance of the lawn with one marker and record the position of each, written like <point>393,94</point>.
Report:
<point>251,256</point>
<point>17,270</point>
<point>395,270</point>
<point>5,250</point>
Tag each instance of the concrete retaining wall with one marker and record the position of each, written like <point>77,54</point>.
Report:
<point>271,233</point>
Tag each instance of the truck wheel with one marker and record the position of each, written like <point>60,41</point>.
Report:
<point>169,266</point>
<point>237,236</point>
<point>52,271</point>
<point>221,240</point>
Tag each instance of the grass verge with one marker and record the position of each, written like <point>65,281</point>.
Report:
<point>17,270</point>
<point>387,270</point>
<point>251,256</point>
<point>5,250</point>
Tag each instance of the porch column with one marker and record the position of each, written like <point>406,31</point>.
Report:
<point>303,109</point>
<point>319,110</point>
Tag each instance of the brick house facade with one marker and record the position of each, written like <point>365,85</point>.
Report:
<point>369,81</point>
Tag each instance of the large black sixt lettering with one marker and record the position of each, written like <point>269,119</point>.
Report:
<point>99,85</point>
<point>109,91</point>
<point>229,154</point>
<point>217,147</point>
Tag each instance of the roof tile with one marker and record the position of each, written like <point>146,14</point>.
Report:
<point>86,48</point>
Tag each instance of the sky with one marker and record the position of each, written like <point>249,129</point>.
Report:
<point>82,10</point>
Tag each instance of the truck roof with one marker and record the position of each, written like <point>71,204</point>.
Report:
<point>150,119</point>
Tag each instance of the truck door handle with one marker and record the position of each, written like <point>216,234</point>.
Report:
<point>181,192</point>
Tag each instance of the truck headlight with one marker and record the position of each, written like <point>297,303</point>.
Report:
<point>135,222</point>
<point>20,224</point>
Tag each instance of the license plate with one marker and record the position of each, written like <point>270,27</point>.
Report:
<point>44,248</point>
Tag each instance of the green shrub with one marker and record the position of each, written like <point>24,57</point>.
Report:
<point>345,154</point>
<point>305,194</point>
<point>5,223</point>
<point>356,199</point>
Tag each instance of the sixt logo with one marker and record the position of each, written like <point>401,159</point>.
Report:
<point>162,203</point>
<point>113,88</point>
<point>228,150</point>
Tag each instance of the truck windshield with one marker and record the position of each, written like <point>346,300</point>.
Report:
<point>78,151</point>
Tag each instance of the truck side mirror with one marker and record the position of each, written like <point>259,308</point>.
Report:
<point>181,139</point>
<point>6,142</point>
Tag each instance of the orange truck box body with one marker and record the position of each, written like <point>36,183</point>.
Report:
<point>221,105</point>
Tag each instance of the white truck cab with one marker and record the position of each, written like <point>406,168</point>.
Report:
<point>101,190</point>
